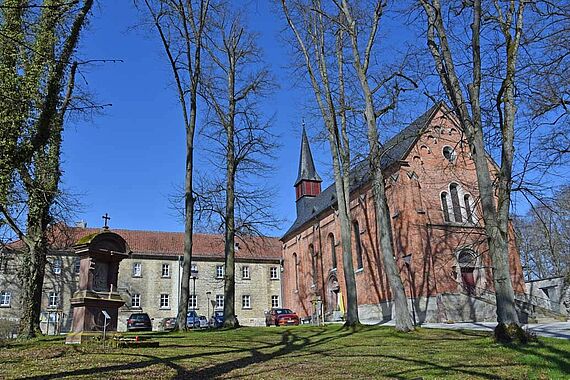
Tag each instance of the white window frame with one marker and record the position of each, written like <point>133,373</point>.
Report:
<point>5,298</point>
<point>246,301</point>
<point>193,301</point>
<point>220,271</point>
<point>245,274</point>
<point>165,301</point>
<point>219,301</point>
<point>57,265</point>
<point>53,299</point>
<point>165,271</point>
<point>137,269</point>
<point>77,266</point>
<point>194,268</point>
<point>274,273</point>
<point>136,300</point>
<point>274,301</point>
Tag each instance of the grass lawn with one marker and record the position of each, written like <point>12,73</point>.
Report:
<point>293,353</point>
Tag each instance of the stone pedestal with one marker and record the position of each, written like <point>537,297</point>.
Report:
<point>100,255</point>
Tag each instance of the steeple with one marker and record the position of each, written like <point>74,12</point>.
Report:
<point>308,181</point>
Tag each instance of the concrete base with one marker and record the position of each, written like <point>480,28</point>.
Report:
<point>442,308</point>
<point>82,337</point>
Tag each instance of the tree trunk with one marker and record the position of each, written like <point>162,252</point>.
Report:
<point>230,277</point>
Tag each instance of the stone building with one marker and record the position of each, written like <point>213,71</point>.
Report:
<point>149,279</point>
<point>436,223</point>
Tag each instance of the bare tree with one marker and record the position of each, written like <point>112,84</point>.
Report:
<point>313,31</point>
<point>37,78</point>
<point>233,84</point>
<point>356,24</point>
<point>505,20</point>
<point>181,26</point>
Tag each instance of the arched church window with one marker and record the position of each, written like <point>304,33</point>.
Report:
<point>358,245</point>
<point>444,207</point>
<point>313,263</point>
<point>449,153</point>
<point>455,203</point>
<point>467,261</point>
<point>296,263</point>
<point>333,250</point>
<point>468,208</point>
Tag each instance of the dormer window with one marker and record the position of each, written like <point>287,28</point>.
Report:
<point>449,153</point>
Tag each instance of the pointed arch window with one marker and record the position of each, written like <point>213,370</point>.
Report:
<point>296,263</point>
<point>333,251</point>
<point>468,208</point>
<point>358,245</point>
<point>444,207</point>
<point>313,263</point>
<point>455,203</point>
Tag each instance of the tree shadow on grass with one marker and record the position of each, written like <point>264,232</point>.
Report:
<point>300,342</point>
<point>547,352</point>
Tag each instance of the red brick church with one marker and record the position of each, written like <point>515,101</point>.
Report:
<point>439,239</point>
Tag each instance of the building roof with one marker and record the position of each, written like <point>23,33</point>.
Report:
<point>394,150</point>
<point>306,165</point>
<point>172,243</point>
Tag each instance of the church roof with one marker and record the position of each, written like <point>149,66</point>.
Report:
<point>394,150</point>
<point>156,243</point>
<point>306,165</point>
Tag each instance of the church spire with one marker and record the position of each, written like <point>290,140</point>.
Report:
<point>308,181</point>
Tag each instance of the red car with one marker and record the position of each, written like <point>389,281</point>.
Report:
<point>281,317</point>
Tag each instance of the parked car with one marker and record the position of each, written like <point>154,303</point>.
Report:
<point>169,323</point>
<point>204,322</point>
<point>193,320</point>
<point>139,322</point>
<point>281,317</point>
<point>217,319</point>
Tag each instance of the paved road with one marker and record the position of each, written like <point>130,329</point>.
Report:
<point>551,330</point>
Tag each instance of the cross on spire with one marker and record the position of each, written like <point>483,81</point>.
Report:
<point>106,217</point>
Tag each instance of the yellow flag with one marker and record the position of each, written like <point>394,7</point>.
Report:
<point>341,303</point>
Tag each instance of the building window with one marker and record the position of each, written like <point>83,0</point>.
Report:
<point>57,264</point>
<point>296,263</point>
<point>77,265</point>
<point>445,207</point>
<point>164,301</point>
<point>468,208</point>
<point>449,154</point>
<point>245,273</point>
<point>358,245</point>
<point>274,301</point>
<point>333,250</point>
<point>219,301</point>
<point>193,301</point>
<point>455,203</point>
<point>53,299</point>
<point>246,301</point>
<point>5,299</point>
<point>219,271</point>
<point>136,300</point>
<point>137,270</point>
<point>165,270</point>
<point>274,273</point>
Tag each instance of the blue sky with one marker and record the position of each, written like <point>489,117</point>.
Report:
<point>130,159</point>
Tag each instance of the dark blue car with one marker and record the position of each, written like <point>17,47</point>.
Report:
<point>192,320</point>
<point>217,319</point>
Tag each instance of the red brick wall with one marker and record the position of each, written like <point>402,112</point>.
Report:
<point>413,191</point>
